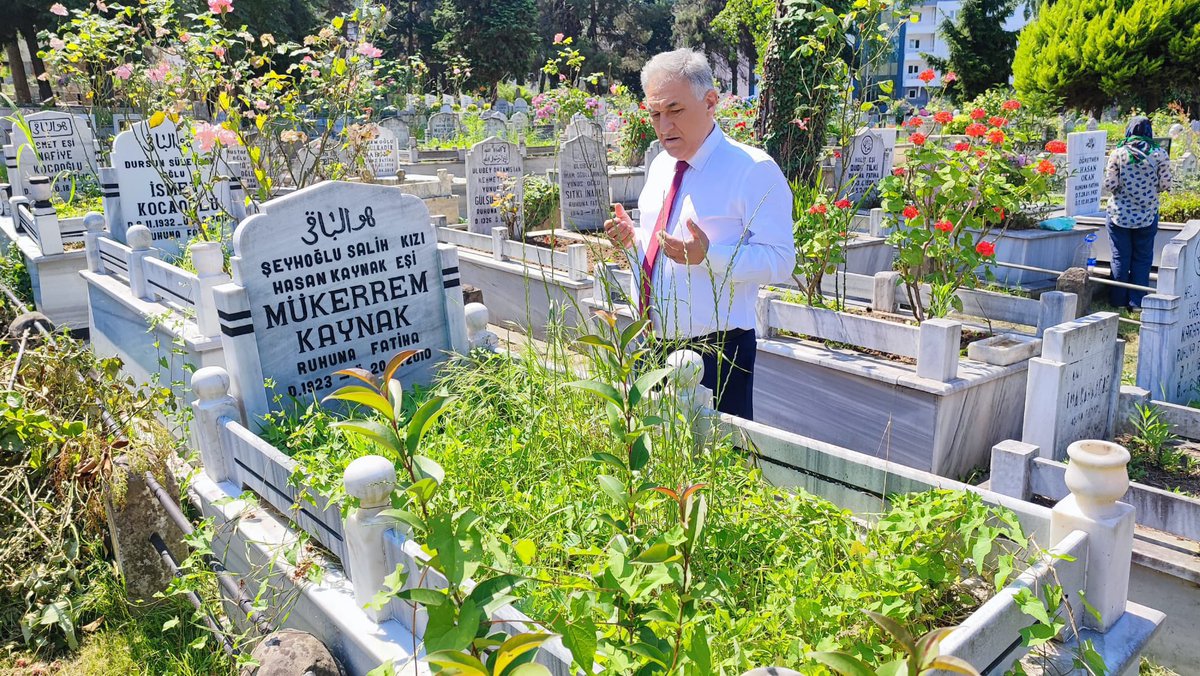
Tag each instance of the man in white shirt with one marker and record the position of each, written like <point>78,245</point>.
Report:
<point>716,222</point>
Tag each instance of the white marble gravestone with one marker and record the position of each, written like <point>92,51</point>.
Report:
<point>382,154</point>
<point>519,121</point>
<point>489,163</point>
<point>153,180</point>
<point>868,160</point>
<point>521,106</point>
<point>503,107</point>
<point>442,126</point>
<point>399,127</point>
<point>336,276</point>
<point>495,124</point>
<point>1085,164</point>
<point>1073,388</point>
<point>582,126</point>
<point>65,151</point>
<point>1169,341</point>
<point>583,184</point>
<point>651,152</point>
<point>238,158</point>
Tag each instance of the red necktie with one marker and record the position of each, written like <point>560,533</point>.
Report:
<point>659,225</point>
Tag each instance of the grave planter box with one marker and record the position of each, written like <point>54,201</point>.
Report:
<point>1038,248</point>
<point>53,257</point>
<point>867,254</point>
<point>625,183</point>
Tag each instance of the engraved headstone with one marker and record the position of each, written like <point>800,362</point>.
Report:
<point>441,126</point>
<point>399,127</point>
<point>382,154</point>
<point>520,122</point>
<point>868,160</point>
<point>1169,341</point>
<point>494,167</point>
<point>336,276</point>
<point>521,105</point>
<point>583,184</point>
<point>494,124</point>
<point>65,150</point>
<point>1073,388</point>
<point>1085,164</point>
<point>503,107</point>
<point>154,180</point>
<point>582,126</point>
<point>237,157</point>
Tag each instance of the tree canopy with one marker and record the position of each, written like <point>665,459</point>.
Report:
<point>981,50</point>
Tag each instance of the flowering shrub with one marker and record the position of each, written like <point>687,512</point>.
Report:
<point>821,230</point>
<point>635,135</point>
<point>950,198</point>
<point>737,118</point>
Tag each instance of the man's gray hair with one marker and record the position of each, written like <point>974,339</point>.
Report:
<point>681,64</point>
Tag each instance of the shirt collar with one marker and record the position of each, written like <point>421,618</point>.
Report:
<point>705,151</point>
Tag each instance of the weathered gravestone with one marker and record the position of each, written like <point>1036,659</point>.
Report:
<point>1073,388</point>
<point>1085,164</point>
<point>441,126</point>
<point>336,276</point>
<point>399,127</point>
<point>236,163</point>
<point>150,182</point>
<point>495,124</point>
<point>868,160</point>
<point>582,126</point>
<point>494,166</point>
<point>519,121</point>
<point>382,153</point>
<point>503,107</point>
<point>1169,341</point>
<point>583,184</point>
<point>59,145</point>
<point>521,106</point>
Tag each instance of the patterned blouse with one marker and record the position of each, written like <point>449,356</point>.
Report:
<point>1135,187</point>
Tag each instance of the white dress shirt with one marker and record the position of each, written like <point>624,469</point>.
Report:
<point>739,197</point>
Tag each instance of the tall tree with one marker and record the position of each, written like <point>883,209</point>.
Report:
<point>981,51</point>
<point>497,37</point>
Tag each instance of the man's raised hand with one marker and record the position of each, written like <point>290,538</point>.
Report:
<point>620,228</point>
<point>690,251</point>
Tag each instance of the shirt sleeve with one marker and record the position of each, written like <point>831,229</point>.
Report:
<point>1164,171</point>
<point>766,253</point>
<point>1112,173</point>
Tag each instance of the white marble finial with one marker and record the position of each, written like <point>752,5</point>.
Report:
<point>371,479</point>
<point>94,221</point>
<point>139,237</point>
<point>689,369</point>
<point>210,382</point>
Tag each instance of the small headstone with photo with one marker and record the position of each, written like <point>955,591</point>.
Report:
<point>154,184</point>
<point>59,145</point>
<point>1072,390</point>
<point>1085,166</point>
<point>868,160</point>
<point>442,126</point>
<point>583,184</point>
<point>336,276</point>
<point>494,167</point>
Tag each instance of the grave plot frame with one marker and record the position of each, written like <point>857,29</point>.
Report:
<point>236,307</point>
<point>1169,340</point>
<point>20,153</point>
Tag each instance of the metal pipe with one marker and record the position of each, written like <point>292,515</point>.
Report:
<point>1094,278</point>
<point>169,562</point>
<point>231,587</point>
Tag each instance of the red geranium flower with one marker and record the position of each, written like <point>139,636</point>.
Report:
<point>995,137</point>
<point>985,249</point>
<point>914,121</point>
<point>1011,104</point>
<point>843,204</point>
<point>980,153</point>
<point>943,117</point>
<point>927,76</point>
<point>978,114</point>
<point>910,212</point>
<point>999,212</point>
<point>899,171</point>
<point>997,121</point>
<point>1056,147</point>
<point>975,129</point>
<point>818,208</point>
<point>917,139</point>
<point>1046,167</point>
<point>837,154</point>
<point>944,225</point>
<point>740,125</point>
<point>962,146</point>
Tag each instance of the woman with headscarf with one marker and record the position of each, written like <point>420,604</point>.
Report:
<point>1138,170</point>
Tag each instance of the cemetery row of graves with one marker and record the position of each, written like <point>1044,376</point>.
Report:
<point>395,375</point>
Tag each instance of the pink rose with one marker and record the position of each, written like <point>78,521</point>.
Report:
<point>58,10</point>
<point>226,137</point>
<point>158,73</point>
<point>949,77</point>
<point>219,51</point>
<point>57,44</point>
<point>184,37</point>
<point>101,6</point>
<point>369,50</point>
<point>261,105</point>
<point>122,72</point>
<point>220,6</point>
<point>206,135</point>
<point>558,37</point>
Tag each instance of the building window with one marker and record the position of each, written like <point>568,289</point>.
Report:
<point>913,69</point>
<point>914,43</point>
<point>912,92</point>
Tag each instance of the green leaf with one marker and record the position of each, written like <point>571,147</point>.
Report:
<point>486,592</point>
<point>423,490</point>
<point>531,669</point>
<point>657,553</point>
<point>632,331</point>
<point>526,550</point>
<point>515,647</point>
<point>423,419</point>
<point>170,624</point>
<point>699,650</point>
<point>395,363</point>
<point>579,633</point>
<point>608,392</point>
<point>406,517</point>
<point>645,383</point>
<point>954,664</point>
<point>596,341</point>
<point>846,665</point>
<point>429,468</point>
<point>608,458</point>
<point>639,453</point>
<point>902,636</point>
<point>365,396</point>
<point>422,596</point>
<point>373,430</point>
<point>454,663</point>
<point>615,488</point>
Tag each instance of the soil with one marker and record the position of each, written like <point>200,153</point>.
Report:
<point>1184,477</point>
<point>598,249</point>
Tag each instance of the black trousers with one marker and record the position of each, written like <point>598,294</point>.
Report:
<point>728,367</point>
